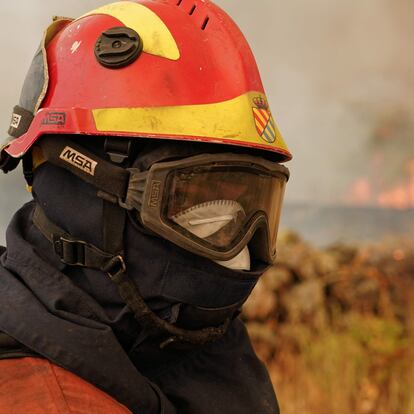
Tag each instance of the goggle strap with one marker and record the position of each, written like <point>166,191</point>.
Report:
<point>89,167</point>
<point>136,189</point>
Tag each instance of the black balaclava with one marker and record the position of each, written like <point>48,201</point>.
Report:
<point>166,275</point>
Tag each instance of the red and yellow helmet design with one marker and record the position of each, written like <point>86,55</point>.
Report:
<point>165,69</point>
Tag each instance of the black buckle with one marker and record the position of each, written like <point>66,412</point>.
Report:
<point>115,267</point>
<point>118,149</point>
<point>71,252</point>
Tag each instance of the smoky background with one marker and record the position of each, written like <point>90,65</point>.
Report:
<point>333,323</point>
<point>336,73</point>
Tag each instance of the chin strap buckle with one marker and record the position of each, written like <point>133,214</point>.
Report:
<point>115,267</point>
<point>118,149</point>
<point>70,251</point>
<point>74,252</point>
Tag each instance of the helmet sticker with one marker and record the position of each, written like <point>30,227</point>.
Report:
<point>263,118</point>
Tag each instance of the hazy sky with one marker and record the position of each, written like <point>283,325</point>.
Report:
<point>332,71</point>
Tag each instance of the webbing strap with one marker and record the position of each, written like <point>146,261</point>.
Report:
<point>79,253</point>
<point>102,174</point>
<point>45,226</point>
<point>113,227</point>
<point>75,252</point>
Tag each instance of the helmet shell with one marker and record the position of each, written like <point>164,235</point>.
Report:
<point>196,80</point>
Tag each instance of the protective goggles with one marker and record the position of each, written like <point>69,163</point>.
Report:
<point>213,204</point>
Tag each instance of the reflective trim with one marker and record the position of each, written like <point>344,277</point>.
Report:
<point>231,120</point>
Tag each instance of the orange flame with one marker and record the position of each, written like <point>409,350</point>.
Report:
<point>401,196</point>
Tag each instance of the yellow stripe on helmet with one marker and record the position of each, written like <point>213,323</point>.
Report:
<point>156,36</point>
<point>231,120</point>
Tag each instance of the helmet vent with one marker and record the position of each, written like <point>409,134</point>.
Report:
<point>179,2</point>
<point>192,10</point>
<point>118,47</point>
<point>205,23</point>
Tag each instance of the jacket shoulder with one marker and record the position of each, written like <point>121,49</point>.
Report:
<point>36,386</point>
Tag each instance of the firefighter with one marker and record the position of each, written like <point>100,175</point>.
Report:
<point>156,171</point>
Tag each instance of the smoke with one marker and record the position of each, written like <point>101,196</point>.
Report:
<point>336,68</point>
<point>332,71</point>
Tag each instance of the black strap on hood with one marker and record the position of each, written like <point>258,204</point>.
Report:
<point>75,252</point>
<point>80,253</point>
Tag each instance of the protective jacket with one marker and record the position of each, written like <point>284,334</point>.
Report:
<point>51,316</point>
<point>36,386</point>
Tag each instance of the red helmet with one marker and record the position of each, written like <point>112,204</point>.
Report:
<point>155,69</point>
<point>171,69</point>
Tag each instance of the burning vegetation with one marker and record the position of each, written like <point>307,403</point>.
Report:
<point>388,180</point>
<point>335,327</point>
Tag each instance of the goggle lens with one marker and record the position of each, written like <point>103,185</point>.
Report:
<point>216,204</point>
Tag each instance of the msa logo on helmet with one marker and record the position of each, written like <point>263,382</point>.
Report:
<point>155,194</point>
<point>15,123</point>
<point>54,118</point>
<point>79,160</point>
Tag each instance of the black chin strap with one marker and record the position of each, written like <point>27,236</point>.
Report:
<point>75,252</point>
<point>120,190</point>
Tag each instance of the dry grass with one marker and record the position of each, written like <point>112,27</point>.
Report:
<point>351,349</point>
<point>364,368</point>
